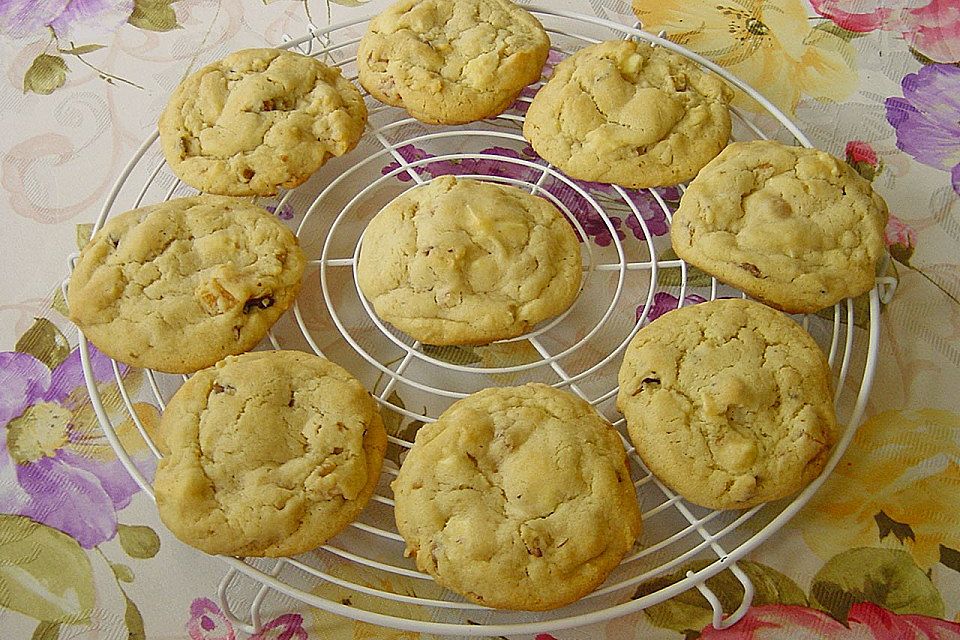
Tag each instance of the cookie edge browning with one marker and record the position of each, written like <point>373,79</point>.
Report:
<point>168,129</point>
<point>188,362</point>
<point>771,294</point>
<point>629,509</point>
<point>369,79</point>
<point>694,493</point>
<point>374,447</point>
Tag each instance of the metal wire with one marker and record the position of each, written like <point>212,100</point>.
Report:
<point>676,531</point>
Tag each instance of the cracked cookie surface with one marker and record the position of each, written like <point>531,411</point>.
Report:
<point>468,262</point>
<point>626,113</point>
<point>793,227</point>
<point>177,286</point>
<point>269,454</point>
<point>729,403</point>
<point>257,120</point>
<point>518,498</point>
<point>451,61</point>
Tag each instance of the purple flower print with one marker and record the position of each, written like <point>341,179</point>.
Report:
<point>585,213</point>
<point>553,59</point>
<point>651,212</point>
<point>208,622</point>
<point>927,118</point>
<point>527,94</point>
<point>78,21</point>
<point>410,153</point>
<point>284,213</point>
<point>492,167</point>
<point>52,468</point>
<point>664,302</point>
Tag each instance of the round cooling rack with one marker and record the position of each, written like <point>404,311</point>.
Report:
<point>630,277</point>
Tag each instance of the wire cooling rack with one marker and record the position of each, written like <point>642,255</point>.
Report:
<point>630,276</point>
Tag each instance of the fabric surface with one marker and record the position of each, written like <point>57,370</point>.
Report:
<point>875,554</point>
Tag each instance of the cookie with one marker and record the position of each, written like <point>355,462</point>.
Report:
<point>271,453</point>
<point>517,498</point>
<point>468,262</point>
<point>451,61</point>
<point>626,113</point>
<point>729,403</point>
<point>177,286</point>
<point>258,120</point>
<point>793,227</point>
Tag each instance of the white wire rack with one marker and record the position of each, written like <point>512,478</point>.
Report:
<point>362,573</point>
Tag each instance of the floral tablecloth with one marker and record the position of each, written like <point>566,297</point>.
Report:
<point>876,554</point>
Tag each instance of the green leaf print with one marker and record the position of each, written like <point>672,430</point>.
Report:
<point>452,354</point>
<point>79,51</point>
<point>886,577</point>
<point>44,341</point>
<point>59,303</point>
<point>690,612</point>
<point>84,231</point>
<point>46,631</point>
<point>138,541</point>
<point>47,74</point>
<point>134,621</point>
<point>122,572</point>
<point>44,573</point>
<point>673,276</point>
<point>887,525</point>
<point>950,558</point>
<point>392,419</point>
<point>153,15</point>
<point>828,26</point>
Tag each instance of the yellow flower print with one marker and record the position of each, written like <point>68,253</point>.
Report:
<point>898,486</point>
<point>771,45</point>
<point>333,627</point>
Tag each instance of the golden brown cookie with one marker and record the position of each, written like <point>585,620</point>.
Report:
<point>451,61</point>
<point>271,453</point>
<point>177,286</point>
<point>518,498</point>
<point>729,403</point>
<point>793,227</point>
<point>626,113</point>
<point>460,261</point>
<point>258,120</point>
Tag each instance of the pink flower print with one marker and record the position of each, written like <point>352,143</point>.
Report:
<point>901,239</point>
<point>289,626</point>
<point>859,151</point>
<point>862,157</point>
<point>862,16</point>
<point>933,30</point>
<point>207,621</point>
<point>865,621</point>
<point>931,27</point>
